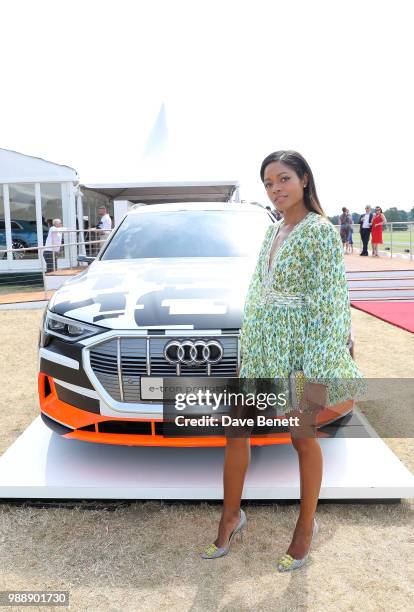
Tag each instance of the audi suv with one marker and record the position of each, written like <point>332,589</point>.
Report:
<point>163,298</point>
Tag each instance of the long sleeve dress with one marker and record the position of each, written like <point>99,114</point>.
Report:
<point>297,316</point>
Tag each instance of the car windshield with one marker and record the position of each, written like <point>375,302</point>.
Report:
<point>189,233</point>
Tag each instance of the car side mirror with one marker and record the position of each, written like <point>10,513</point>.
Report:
<point>85,259</point>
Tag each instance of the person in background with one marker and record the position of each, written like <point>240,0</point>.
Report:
<point>365,222</point>
<point>53,244</point>
<point>345,221</point>
<point>103,227</point>
<point>350,240</point>
<point>275,213</point>
<point>378,221</point>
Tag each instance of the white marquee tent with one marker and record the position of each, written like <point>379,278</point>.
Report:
<point>34,191</point>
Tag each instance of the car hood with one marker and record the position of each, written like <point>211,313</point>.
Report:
<point>187,293</point>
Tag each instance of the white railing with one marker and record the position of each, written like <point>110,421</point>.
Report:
<point>70,254</point>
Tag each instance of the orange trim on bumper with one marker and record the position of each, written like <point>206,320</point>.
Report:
<point>74,417</point>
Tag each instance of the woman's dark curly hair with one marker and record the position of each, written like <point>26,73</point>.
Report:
<point>300,166</point>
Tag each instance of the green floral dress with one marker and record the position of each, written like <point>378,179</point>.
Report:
<point>297,316</point>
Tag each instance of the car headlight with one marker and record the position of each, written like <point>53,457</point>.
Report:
<point>69,329</point>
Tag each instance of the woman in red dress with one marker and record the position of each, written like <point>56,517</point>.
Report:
<point>376,234</point>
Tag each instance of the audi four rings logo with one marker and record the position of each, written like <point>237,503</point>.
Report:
<point>189,352</point>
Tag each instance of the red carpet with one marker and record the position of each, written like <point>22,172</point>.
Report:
<point>400,314</point>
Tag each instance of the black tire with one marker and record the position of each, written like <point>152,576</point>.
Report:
<point>18,244</point>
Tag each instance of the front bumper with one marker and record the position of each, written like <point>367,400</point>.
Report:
<point>80,423</point>
<point>75,405</point>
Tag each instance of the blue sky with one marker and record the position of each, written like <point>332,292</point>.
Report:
<point>83,83</point>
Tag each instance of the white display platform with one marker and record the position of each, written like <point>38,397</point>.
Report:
<point>42,465</point>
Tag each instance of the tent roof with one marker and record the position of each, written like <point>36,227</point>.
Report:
<point>18,167</point>
<point>158,193</point>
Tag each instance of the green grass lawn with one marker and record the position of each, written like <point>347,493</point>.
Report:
<point>5,289</point>
<point>398,237</point>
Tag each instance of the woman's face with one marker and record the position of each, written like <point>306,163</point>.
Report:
<point>283,186</point>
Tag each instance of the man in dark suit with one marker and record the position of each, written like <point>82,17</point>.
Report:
<point>365,226</point>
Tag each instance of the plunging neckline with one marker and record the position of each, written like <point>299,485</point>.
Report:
<point>271,264</point>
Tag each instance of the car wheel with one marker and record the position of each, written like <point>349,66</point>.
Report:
<point>18,244</point>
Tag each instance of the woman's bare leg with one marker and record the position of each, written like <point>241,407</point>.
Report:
<point>236,462</point>
<point>309,452</point>
<point>310,466</point>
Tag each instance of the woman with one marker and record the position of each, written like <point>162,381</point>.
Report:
<point>350,240</point>
<point>296,319</point>
<point>345,221</point>
<point>376,235</point>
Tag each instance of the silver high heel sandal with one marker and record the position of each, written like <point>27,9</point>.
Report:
<point>287,563</point>
<point>213,552</point>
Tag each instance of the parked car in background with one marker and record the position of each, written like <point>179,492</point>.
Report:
<point>24,235</point>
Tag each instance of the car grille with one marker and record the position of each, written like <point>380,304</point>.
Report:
<point>119,363</point>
